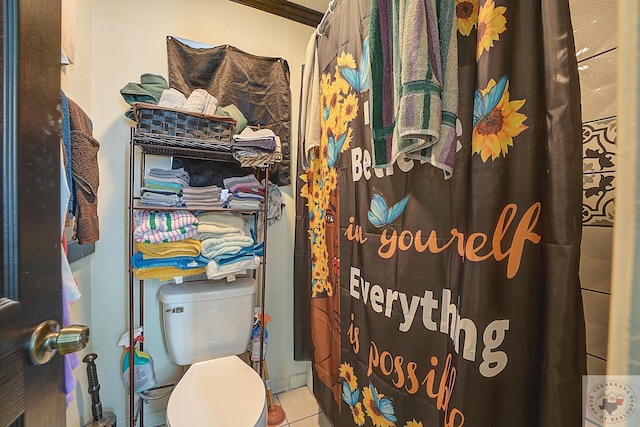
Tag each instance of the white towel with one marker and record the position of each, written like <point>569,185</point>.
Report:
<point>212,224</point>
<point>215,271</point>
<point>230,244</point>
<point>249,134</point>
<point>172,98</point>
<point>200,101</point>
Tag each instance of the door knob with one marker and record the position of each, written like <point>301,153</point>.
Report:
<point>48,339</point>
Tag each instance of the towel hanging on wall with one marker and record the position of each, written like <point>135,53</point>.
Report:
<point>259,86</point>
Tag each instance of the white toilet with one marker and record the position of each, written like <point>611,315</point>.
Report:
<point>206,324</point>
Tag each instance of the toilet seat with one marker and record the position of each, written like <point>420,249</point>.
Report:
<point>223,392</point>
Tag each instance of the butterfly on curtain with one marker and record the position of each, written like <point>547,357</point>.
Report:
<point>384,405</point>
<point>348,396</point>
<point>484,105</point>
<point>380,214</point>
<point>334,146</point>
<point>359,78</point>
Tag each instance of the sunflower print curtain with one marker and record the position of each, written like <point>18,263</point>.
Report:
<point>446,297</point>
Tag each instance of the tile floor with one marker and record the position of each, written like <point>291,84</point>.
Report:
<point>301,409</point>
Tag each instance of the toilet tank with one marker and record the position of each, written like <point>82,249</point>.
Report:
<point>207,319</point>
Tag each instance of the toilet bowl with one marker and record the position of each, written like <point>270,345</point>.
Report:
<point>223,392</point>
<point>206,324</point>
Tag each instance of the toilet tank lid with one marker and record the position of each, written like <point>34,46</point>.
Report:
<point>207,290</point>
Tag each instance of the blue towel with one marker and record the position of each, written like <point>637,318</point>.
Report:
<point>152,183</point>
<point>66,141</point>
<point>182,262</point>
<point>244,253</point>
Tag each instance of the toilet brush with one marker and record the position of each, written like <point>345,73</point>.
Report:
<point>275,413</point>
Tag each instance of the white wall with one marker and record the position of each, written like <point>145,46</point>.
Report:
<point>624,327</point>
<point>594,26</point>
<point>117,42</point>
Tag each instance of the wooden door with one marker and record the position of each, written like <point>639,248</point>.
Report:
<point>31,395</point>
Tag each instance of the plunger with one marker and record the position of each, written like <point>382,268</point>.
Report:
<point>275,413</point>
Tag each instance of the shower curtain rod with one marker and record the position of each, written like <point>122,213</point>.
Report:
<point>286,9</point>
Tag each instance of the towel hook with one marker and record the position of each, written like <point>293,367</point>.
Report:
<point>329,11</point>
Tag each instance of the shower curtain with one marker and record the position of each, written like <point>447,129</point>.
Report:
<point>436,274</point>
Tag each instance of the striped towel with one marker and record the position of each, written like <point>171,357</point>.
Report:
<point>161,226</point>
<point>235,182</point>
<point>139,262</point>
<point>414,82</point>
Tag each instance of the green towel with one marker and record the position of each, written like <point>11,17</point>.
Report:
<point>155,84</point>
<point>149,90</point>
<point>233,112</point>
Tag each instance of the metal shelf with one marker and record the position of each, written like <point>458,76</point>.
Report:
<point>148,146</point>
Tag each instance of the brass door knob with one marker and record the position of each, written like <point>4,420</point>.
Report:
<point>48,339</point>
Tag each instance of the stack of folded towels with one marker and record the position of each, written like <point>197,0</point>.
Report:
<point>261,139</point>
<point>228,242</point>
<point>244,192</point>
<point>165,245</point>
<point>163,187</point>
<point>202,197</point>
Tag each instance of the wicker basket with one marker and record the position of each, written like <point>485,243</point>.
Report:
<point>181,129</point>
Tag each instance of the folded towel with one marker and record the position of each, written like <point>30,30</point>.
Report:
<point>149,90</point>
<point>179,174</point>
<point>133,92</point>
<point>244,253</point>
<point>173,180</point>
<point>152,184</point>
<point>268,145</point>
<point>165,200</point>
<point>262,139</point>
<point>211,189</point>
<point>172,98</point>
<point>195,102</point>
<point>186,247</point>
<point>217,223</point>
<point>216,271</point>
<point>162,226</point>
<point>233,112</point>
<point>249,134</point>
<point>166,273</point>
<point>243,204</point>
<point>201,101</point>
<point>231,244</point>
<point>241,195</point>
<point>138,261</point>
<point>234,182</point>
<point>155,84</point>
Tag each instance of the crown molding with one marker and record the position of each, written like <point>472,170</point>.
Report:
<point>286,9</point>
